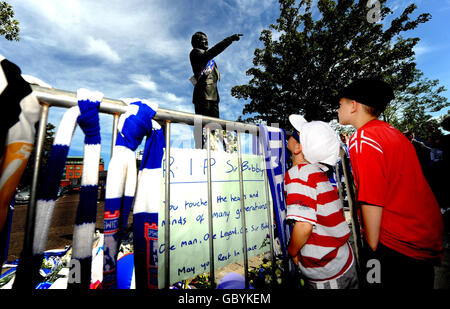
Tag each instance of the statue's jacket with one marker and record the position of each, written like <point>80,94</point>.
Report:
<point>206,87</point>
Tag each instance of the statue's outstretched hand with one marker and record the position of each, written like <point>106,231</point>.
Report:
<point>236,37</point>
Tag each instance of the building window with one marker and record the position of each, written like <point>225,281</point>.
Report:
<point>70,174</point>
<point>77,174</point>
<point>78,167</point>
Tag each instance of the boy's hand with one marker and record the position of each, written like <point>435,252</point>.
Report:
<point>299,236</point>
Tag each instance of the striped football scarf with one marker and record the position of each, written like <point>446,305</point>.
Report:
<point>48,188</point>
<point>145,211</point>
<point>121,181</point>
<point>83,234</point>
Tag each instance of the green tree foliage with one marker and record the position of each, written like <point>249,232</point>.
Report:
<point>306,60</point>
<point>9,27</point>
<point>413,107</point>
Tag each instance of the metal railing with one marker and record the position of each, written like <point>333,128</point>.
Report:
<point>349,185</point>
<point>49,97</point>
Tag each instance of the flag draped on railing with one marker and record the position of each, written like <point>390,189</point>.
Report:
<point>121,180</point>
<point>276,164</point>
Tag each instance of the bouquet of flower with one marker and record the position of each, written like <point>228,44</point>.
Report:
<point>277,272</point>
<point>201,281</point>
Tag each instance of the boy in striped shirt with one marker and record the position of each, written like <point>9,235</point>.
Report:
<point>318,243</point>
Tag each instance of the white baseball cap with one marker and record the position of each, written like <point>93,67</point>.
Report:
<point>320,144</point>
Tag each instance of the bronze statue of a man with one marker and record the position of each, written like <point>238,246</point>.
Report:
<point>206,96</point>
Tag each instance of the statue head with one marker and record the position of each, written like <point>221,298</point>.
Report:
<point>199,40</point>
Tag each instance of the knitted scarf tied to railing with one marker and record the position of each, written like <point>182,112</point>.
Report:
<point>121,182</point>
<point>146,209</point>
<point>86,216</point>
<point>86,114</point>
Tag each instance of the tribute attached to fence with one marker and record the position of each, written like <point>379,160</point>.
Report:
<point>189,234</point>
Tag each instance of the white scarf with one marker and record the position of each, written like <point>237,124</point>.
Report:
<point>121,181</point>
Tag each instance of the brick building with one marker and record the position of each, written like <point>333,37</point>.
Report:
<point>74,169</point>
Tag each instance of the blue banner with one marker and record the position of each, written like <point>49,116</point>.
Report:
<point>274,143</point>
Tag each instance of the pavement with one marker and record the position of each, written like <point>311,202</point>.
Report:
<point>61,228</point>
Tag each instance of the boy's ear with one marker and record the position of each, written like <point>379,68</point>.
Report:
<point>355,106</point>
<point>298,148</point>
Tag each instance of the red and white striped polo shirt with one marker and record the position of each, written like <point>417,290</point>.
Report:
<point>311,198</point>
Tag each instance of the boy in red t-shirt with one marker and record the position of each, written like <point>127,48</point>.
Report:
<point>401,218</point>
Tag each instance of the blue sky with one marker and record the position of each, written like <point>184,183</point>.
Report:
<point>140,49</point>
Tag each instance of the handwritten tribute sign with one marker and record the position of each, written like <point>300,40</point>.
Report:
<point>189,227</point>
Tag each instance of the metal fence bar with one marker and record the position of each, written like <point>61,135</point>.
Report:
<point>244,224</point>
<point>269,206</point>
<point>62,98</point>
<point>210,208</point>
<point>339,183</point>
<point>349,186</point>
<point>24,275</point>
<point>167,210</point>
<point>114,132</point>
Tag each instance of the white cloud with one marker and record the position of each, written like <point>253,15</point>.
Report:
<point>164,99</point>
<point>422,48</point>
<point>144,81</point>
<point>101,49</point>
<point>172,97</point>
<point>254,7</point>
<point>166,74</point>
<point>181,105</point>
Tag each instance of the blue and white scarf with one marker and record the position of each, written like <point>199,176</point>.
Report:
<point>145,211</point>
<point>121,180</point>
<point>83,234</point>
<point>48,190</point>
